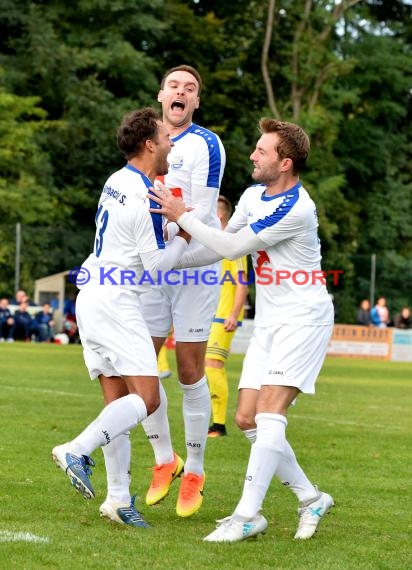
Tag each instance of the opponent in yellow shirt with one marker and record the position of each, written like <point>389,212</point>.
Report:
<point>228,317</point>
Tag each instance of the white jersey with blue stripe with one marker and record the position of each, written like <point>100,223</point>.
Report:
<point>196,165</point>
<point>289,286</point>
<point>125,229</point>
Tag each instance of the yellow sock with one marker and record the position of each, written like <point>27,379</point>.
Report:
<point>162,360</point>
<point>219,392</point>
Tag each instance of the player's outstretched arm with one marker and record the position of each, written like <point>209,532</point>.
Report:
<point>198,257</point>
<point>162,260</point>
<point>229,245</point>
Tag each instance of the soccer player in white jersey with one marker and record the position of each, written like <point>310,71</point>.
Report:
<point>197,161</point>
<point>117,346</point>
<point>276,222</point>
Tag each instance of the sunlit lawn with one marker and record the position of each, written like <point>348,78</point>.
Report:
<point>353,439</point>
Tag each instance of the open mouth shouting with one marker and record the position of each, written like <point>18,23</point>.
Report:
<point>178,105</point>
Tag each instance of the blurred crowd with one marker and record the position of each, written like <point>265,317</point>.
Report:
<point>23,320</point>
<point>379,316</point>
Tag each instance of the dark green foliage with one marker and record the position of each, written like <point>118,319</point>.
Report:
<point>71,70</point>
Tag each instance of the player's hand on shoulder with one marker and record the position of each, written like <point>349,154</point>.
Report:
<point>159,185</point>
<point>169,206</point>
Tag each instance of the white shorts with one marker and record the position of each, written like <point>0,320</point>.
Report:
<point>188,307</point>
<point>114,335</point>
<point>285,355</point>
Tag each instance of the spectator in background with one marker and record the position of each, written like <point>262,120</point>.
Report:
<point>364,313</point>
<point>403,319</point>
<point>55,302</point>
<point>70,321</point>
<point>380,313</point>
<point>23,323</point>
<point>6,322</point>
<point>19,296</point>
<point>70,305</point>
<point>43,324</point>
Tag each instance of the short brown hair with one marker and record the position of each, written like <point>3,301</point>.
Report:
<point>135,129</point>
<point>294,142</point>
<point>223,200</point>
<point>183,67</point>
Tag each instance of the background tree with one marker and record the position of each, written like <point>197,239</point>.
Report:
<point>342,69</point>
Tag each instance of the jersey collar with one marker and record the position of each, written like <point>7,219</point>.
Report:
<point>146,180</point>
<point>292,191</point>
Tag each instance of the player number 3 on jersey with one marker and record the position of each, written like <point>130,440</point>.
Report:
<point>101,225</point>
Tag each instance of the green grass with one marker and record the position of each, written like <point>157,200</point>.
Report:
<point>352,438</point>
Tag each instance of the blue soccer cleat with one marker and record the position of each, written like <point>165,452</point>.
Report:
<point>123,513</point>
<point>76,467</point>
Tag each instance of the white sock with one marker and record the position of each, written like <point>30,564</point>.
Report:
<point>116,418</point>
<point>265,455</point>
<point>292,476</point>
<point>196,415</point>
<point>117,460</point>
<point>157,430</point>
<point>289,471</point>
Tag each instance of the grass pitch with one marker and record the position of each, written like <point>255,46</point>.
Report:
<point>353,439</point>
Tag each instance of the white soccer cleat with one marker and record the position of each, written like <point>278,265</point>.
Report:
<point>123,513</point>
<point>311,514</point>
<point>231,530</point>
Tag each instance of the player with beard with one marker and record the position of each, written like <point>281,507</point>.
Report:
<point>117,346</point>
<point>276,222</point>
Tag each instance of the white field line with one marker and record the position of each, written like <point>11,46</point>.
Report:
<point>46,391</point>
<point>318,419</point>
<point>8,536</point>
<point>330,421</point>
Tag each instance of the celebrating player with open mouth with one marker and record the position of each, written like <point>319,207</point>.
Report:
<point>197,161</point>
<point>116,343</point>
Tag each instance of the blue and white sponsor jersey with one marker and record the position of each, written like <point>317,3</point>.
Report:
<point>124,229</point>
<point>197,160</point>
<point>289,286</point>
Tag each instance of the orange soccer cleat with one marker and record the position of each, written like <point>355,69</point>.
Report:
<point>190,497</point>
<point>163,477</point>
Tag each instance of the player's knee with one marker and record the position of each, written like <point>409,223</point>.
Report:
<point>188,373</point>
<point>245,421</point>
<point>152,403</point>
